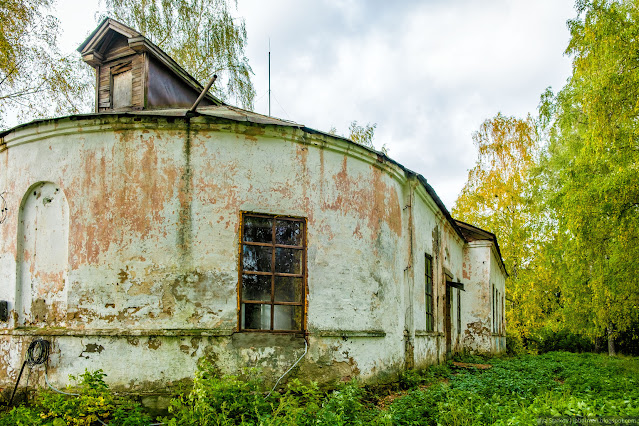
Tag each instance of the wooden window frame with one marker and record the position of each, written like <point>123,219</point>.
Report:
<point>429,305</point>
<point>458,311</point>
<point>492,287</point>
<point>502,327</point>
<point>274,245</point>
<point>115,70</point>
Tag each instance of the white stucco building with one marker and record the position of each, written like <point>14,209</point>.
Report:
<point>142,238</point>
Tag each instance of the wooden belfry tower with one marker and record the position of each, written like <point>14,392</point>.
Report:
<point>132,73</point>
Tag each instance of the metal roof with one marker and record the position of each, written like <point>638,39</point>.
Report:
<point>473,233</point>
<point>240,115</point>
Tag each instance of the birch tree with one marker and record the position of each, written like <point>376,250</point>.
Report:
<point>36,80</point>
<point>502,196</point>
<point>593,167</point>
<point>201,35</point>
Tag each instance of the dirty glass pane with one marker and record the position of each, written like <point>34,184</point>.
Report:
<point>287,317</point>
<point>289,232</point>
<point>256,317</point>
<point>288,289</point>
<point>257,258</point>
<point>258,229</point>
<point>256,287</point>
<point>288,261</point>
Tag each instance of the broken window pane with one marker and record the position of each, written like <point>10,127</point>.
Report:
<point>428,290</point>
<point>289,233</point>
<point>258,229</point>
<point>257,258</point>
<point>288,261</point>
<point>256,287</point>
<point>288,289</point>
<point>263,287</point>
<point>287,317</point>
<point>256,317</point>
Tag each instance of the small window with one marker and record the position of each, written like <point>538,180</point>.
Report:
<point>122,86</point>
<point>430,320</point>
<point>273,273</point>
<point>458,311</point>
<point>492,287</point>
<point>503,310</point>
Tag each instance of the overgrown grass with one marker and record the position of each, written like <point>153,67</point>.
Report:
<point>514,391</point>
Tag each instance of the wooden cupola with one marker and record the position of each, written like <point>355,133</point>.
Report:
<point>132,73</point>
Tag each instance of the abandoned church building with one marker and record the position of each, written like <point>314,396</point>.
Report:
<point>144,237</point>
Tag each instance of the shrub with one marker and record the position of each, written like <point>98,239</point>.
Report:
<point>218,400</point>
<point>93,403</point>
<point>547,340</point>
<point>514,344</point>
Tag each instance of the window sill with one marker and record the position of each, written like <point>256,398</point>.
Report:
<point>424,333</point>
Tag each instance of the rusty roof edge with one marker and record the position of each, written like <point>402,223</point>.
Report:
<point>150,113</point>
<point>146,113</point>
<point>438,201</point>
<point>429,189</point>
<point>493,238</point>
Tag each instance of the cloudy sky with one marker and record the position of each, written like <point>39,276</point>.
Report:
<point>428,72</point>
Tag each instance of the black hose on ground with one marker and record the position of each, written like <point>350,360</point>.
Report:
<point>37,353</point>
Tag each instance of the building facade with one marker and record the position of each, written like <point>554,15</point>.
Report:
<point>145,237</point>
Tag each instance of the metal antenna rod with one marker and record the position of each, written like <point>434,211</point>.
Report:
<point>269,76</point>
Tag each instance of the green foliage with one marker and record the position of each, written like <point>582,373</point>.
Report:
<point>560,192</point>
<point>591,169</point>
<point>519,390</point>
<point>417,408</point>
<point>547,340</point>
<point>502,196</point>
<point>514,344</point>
<point>201,35</point>
<point>344,406</point>
<point>94,403</point>
<point>362,135</point>
<point>218,400</point>
<point>21,416</point>
<point>514,391</point>
<point>297,406</point>
<point>36,80</point>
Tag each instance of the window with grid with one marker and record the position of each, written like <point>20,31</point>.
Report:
<point>494,308</point>
<point>458,311</point>
<point>273,273</point>
<point>503,310</point>
<point>430,320</point>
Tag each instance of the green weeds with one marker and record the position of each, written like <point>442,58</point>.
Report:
<point>93,404</point>
<point>514,391</point>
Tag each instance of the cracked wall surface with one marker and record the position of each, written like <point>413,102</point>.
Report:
<point>134,260</point>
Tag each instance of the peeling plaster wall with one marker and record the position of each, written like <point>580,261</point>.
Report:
<point>150,282</point>
<point>498,278</point>
<point>483,268</point>
<point>433,237</point>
